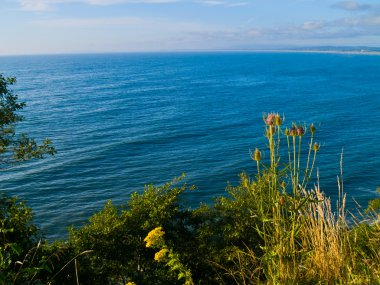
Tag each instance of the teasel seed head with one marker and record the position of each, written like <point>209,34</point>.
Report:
<point>270,119</point>
<point>300,131</point>
<point>293,131</point>
<point>312,129</point>
<point>278,120</point>
<point>257,155</point>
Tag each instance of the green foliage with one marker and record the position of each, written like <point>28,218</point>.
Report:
<point>374,204</point>
<point>268,229</point>
<point>115,237</point>
<point>15,147</point>
<point>21,257</point>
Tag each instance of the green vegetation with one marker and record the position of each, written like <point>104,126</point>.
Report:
<point>20,240</point>
<point>274,227</point>
<point>13,147</point>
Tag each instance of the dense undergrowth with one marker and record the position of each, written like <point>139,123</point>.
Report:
<point>274,227</point>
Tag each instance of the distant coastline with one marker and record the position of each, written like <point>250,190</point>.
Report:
<point>321,50</point>
<point>351,52</point>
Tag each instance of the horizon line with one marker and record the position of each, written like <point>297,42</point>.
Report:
<point>354,50</point>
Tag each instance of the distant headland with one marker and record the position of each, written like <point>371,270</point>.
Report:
<point>327,49</point>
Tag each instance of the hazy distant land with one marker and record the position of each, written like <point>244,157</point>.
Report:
<point>332,50</point>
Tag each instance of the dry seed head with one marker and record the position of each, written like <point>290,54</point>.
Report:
<point>312,128</point>
<point>316,147</point>
<point>300,131</point>
<point>287,132</point>
<point>293,131</point>
<point>277,120</point>
<point>257,155</point>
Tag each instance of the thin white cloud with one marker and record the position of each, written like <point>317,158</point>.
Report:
<point>310,26</point>
<point>352,5</point>
<point>222,3</point>
<point>89,22</point>
<point>113,2</point>
<point>351,27</point>
<point>237,4</point>
<point>45,5</point>
<point>212,2</point>
<point>39,5</point>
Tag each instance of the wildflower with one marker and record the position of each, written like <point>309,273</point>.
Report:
<point>154,237</point>
<point>257,155</point>
<point>300,131</point>
<point>278,120</point>
<point>287,132</point>
<point>270,119</point>
<point>312,129</point>
<point>293,131</point>
<point>316,147</point>
<point>160,255</point>
<point>130,283</point>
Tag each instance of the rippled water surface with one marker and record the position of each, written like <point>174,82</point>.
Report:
<point>124,120</point>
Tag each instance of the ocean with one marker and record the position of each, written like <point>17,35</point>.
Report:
<point>121,121</point>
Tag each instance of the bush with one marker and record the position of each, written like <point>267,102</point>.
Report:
<point>271,228</point>
<point>20,243</point>
<point>115,237</point>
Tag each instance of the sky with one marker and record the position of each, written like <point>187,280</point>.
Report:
<point>92,26</point>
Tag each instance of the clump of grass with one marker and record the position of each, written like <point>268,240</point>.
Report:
<point>324,238</point>
<point>282,197</point>
<point>304,239</point>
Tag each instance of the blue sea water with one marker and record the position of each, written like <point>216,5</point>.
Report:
<point>120,121</point>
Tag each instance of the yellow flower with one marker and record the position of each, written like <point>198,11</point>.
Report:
<point>154,237</point>
<point>160,255</point>
<point>130,283</point>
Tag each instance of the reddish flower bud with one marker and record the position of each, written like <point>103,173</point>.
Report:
<point>293,131</point>
<point>270,119</point>
<point>300,131</point>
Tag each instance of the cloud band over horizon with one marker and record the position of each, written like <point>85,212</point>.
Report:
<point>56,26</point>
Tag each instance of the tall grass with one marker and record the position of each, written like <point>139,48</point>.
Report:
<point>304,238</point>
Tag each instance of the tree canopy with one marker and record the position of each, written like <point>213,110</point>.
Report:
<point>16,147</point>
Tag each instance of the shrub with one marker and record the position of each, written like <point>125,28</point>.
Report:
<point>115,237</point>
